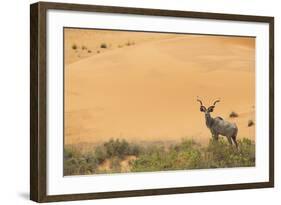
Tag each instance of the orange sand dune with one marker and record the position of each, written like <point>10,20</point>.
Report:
<point>147,91</point>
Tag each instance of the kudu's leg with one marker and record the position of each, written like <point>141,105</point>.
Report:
<point>234,140</point>
<point>215,137</point>
<point>229,140</point>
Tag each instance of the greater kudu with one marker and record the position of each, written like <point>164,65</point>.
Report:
<point>218,126</point>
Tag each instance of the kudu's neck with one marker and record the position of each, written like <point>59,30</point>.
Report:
<point>209,120</point>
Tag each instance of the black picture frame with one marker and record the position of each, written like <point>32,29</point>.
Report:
<point>38,102</point>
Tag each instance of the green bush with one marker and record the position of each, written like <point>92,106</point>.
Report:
<point>78,164</point>
<point>120,148</point>
<point>100,154</point>
<point>190,155</point>
<point>221,154</point>
<point>187,154</point>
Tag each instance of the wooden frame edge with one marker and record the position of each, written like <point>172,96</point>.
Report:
<point>154,12</point>
<point>38,113</point>
<point>271,100</point>
<point>34,191</point>
<point>37,102</point>
<point>155,192</point>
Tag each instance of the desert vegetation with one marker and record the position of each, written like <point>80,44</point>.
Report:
<point>129,43</point>
<point>142,86</point>
<point>74,46</point>
<point>115,156</point>
<point>233,114</point>
<point>103,45</point>
<point>81,50</point>
<point>250,123</point>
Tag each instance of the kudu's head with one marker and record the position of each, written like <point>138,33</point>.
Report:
<point>204,109</point>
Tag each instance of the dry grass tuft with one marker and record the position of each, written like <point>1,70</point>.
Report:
<point>233,114</point>
<point>74,47</point>
<point>103,45</point>
<point>251,123</point>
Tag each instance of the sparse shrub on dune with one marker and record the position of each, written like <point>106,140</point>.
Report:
<point>233,114</point>
<point>103,45</point>
<point>74,47</point>
<point>250,123</point>
<point>84,48</point>
<point>130,43</point>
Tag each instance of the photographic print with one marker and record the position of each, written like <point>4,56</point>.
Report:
<point>129,102</point>
<point>152,101</point>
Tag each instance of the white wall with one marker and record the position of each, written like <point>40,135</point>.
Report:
<point>14,104</point>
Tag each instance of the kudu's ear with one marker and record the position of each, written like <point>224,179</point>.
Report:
<point>211,108</point>
<point>202,109</point>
